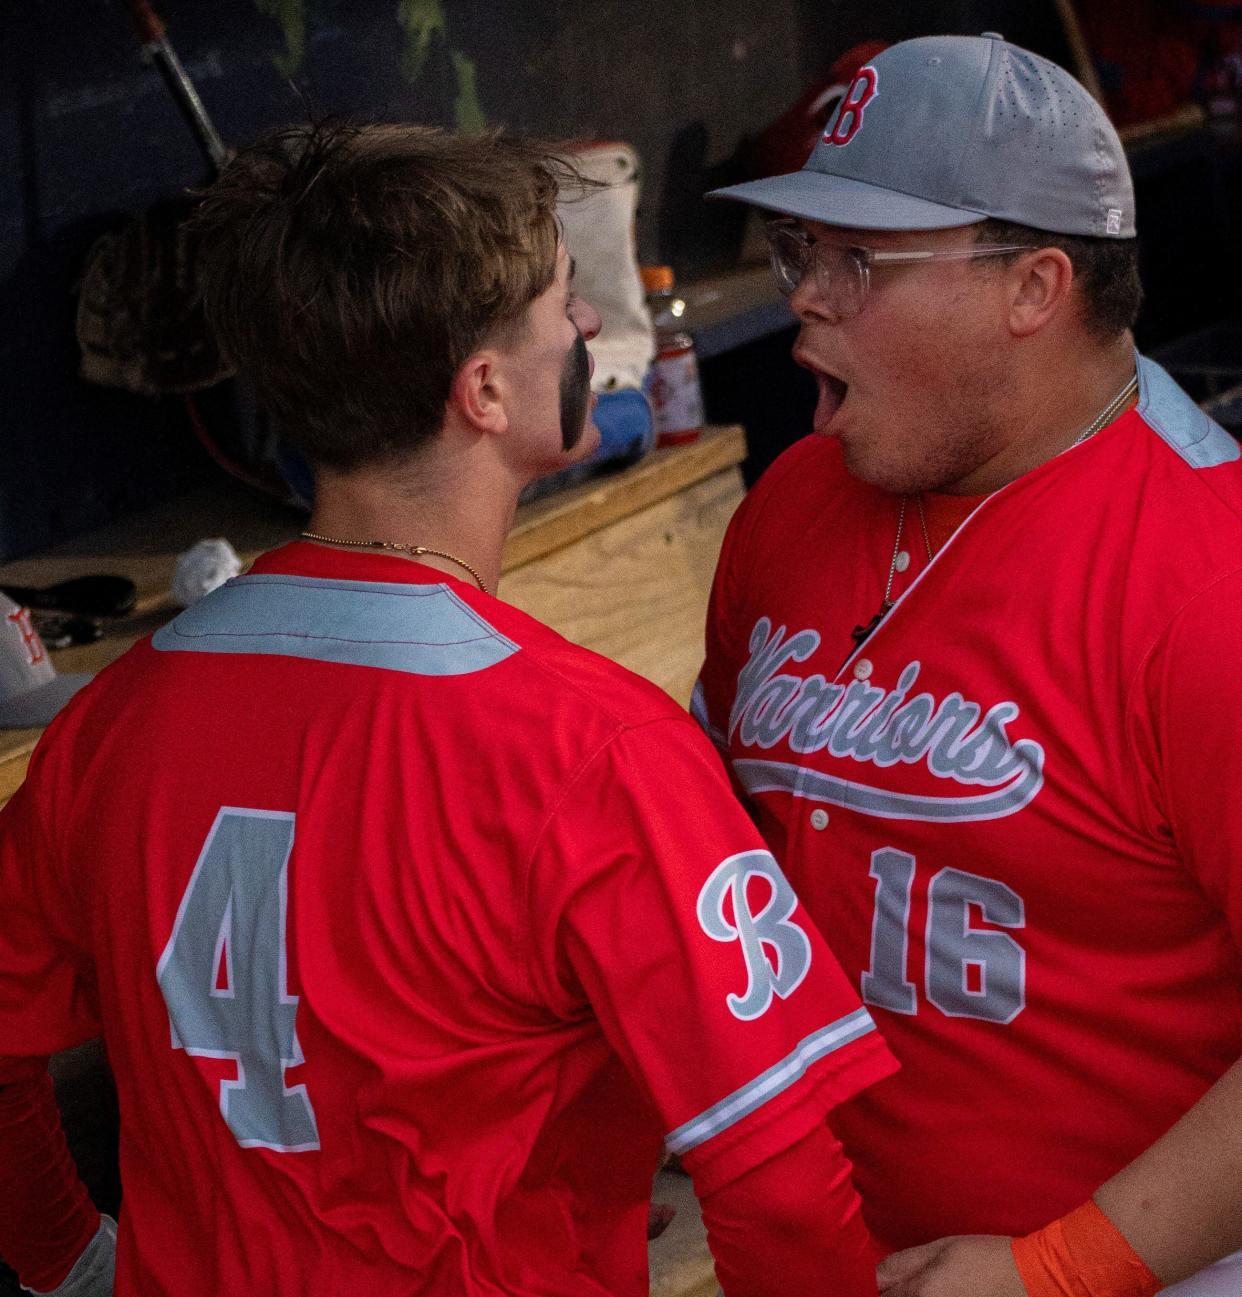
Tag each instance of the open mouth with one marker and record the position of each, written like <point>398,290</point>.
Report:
<point>832,390</point>
<point>832,393</point>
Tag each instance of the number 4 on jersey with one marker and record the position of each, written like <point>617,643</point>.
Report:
<point>223,977</point>
<point>955,951</point>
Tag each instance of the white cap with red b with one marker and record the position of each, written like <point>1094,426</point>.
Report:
<point>31,691</point>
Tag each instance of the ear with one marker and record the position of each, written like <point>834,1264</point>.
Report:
<point>477,393</point>
<point>1042,287</point>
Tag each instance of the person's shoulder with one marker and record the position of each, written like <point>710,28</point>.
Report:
<point>804,480</point>
<point>806,466</point>
<point>1202,462</point>
<point>75,734</point>
<point>573,678</point>
<point>105,695</point>
<point>1171,521</point>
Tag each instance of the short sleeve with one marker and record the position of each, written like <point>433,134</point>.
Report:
<point>655,905</point>
<point>1187,707</point>
<point>46,983</point>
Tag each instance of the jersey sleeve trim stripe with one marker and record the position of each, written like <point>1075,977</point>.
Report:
<point>767,1085</point>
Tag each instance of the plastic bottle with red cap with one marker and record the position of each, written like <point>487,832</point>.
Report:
<point>672,384</point>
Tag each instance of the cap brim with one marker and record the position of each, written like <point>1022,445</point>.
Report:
<point>39,706</point>
<point>836,200</point>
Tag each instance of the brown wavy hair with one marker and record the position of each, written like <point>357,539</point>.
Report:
<point>350,270</point>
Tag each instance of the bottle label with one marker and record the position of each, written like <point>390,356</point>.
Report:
<point>673,389</point>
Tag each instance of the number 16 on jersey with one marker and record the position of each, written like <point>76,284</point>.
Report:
<point>969,972</point>
<point>223,976</point>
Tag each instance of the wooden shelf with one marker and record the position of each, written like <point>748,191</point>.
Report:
<point>547,525</point>
<point>735,307</point>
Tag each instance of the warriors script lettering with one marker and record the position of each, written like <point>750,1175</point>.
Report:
<point>878,727</point>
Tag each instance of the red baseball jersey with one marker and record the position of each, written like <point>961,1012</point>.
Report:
<point>1015,812</point>
<point>412,929</point>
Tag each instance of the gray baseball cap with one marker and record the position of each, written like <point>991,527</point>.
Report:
<point>31,692</point>
<point>945,131</point>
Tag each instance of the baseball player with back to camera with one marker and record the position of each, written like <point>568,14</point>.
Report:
<point>973,659</point>
<point>413,930</point>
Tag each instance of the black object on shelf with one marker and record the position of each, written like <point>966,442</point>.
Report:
<point>90,596</point>
<point>60,630</point>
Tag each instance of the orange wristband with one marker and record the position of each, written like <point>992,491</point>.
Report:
<point>1082,1255</point>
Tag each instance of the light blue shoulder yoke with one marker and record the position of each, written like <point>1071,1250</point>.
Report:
<point>424,630</point>
<point>1178,421</point>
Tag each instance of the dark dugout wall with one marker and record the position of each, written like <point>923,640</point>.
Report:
<point>89,134</point>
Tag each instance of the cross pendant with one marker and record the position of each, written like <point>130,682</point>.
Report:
<point>860,633</point>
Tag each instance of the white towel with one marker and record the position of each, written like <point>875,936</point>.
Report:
<point>599,234</point>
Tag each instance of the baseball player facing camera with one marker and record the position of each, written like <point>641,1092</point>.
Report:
<point>973,659</point>
<point>414,931</point>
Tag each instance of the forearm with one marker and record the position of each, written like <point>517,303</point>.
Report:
<point>792,1225</point>
<point>1177,1202</point>
<point>46,1216</point>
<point>1167,1215</point>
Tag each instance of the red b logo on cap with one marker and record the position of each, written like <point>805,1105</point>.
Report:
<point>20,618</point>
<point>863,89</point>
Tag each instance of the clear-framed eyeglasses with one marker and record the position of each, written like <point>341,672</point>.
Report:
<point>843,274</point>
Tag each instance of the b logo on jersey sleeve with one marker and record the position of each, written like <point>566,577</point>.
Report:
<point>770,926</point>
<point>863,89</point>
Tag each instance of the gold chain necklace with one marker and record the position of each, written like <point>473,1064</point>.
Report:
<point>860,633</point>
<point>415,551</point>
<point>1108,413</point>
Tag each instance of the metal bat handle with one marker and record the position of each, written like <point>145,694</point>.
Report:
<point>155,41</point>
